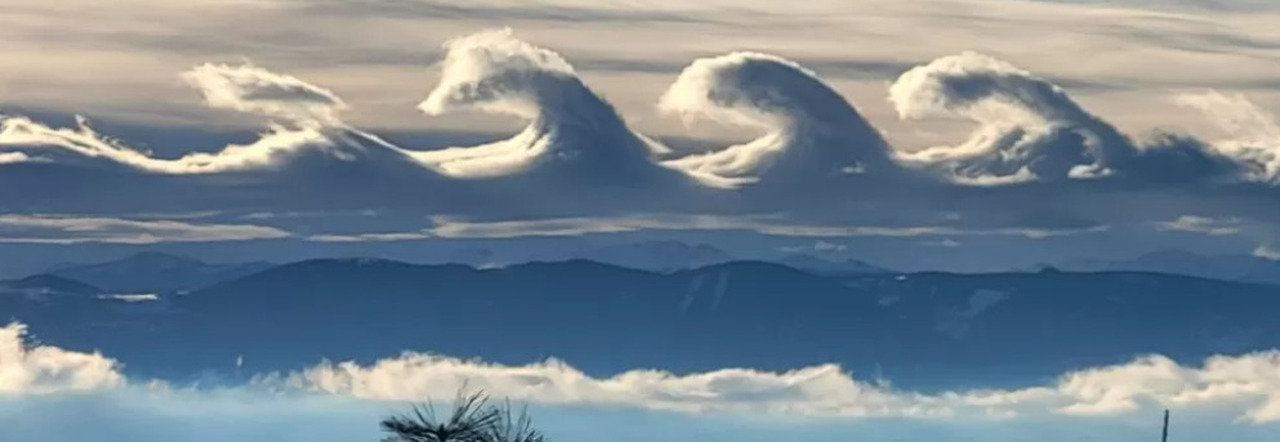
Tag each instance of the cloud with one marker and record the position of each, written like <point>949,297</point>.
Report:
<point>83,146</point>
<point>819,246</point>
<point>1030,130</point>
<point>1245,387</point>
<point>14,157</point>
<point>571,130</point>
<point>132,297</point>
<point>447,227</point>
<point>810,130</point>
<point>1247,383</point>
<point>1255,134</point>
<point>61,229</point>
<point>1200,224</point>
<point>1267,251</point>
<point>247,88</point>
<point>26,369</point>
<point>371,237</point>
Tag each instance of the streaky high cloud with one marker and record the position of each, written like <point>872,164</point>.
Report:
<point>1030,129</point>
<point>447,227</point>
<point>572,131</point>
<point>248,88</point>
<point>1200,224</point>
<point>26,369</point>
<point>55,229</point>
<point>811,132</point>
<point>1248,385</point>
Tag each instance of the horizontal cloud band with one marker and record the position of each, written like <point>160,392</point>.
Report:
<point>1247,384</point>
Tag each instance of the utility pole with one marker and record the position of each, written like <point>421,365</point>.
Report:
<point>1164,436</point>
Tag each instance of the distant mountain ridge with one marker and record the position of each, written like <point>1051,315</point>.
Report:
<point>923,330</point>
<point>155,272</point>
<point>1245,268</point>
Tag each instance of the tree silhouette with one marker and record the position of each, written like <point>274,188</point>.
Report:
<point>473,419</point>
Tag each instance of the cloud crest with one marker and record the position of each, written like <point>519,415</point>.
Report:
<point>572,131</point>
<point>810,130</point>
<point>1030,130</point>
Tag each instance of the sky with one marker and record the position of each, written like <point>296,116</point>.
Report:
<point>970,135</point>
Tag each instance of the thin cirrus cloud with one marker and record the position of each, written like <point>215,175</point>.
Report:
<point>1200,224</point>
<point>56,229</point>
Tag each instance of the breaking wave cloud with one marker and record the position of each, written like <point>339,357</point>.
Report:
<point>303,117</point>
<point>1028,129</point>
<point>571,130</point>
<point>810,130</point>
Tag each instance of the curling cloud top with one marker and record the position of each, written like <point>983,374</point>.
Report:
<point>1030,129</point>
<point>811,132</point>
<point>572,131</point>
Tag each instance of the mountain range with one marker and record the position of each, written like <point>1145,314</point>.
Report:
<point>920,330</point>
<point>1246,268</point>
<point>150,272</point>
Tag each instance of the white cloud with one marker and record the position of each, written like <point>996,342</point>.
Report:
<point>1267,251</point>
<point>84,146</point>
<point>43,369</point>
<point>1254,132</point>
<point>1200,224</point>
<point>770,225</point>
<point>1249,384</point>
<point>819,246</point>
<point>370,237</point>
<point>495,72</point>
<point>1028,128</point>
<point>247,88</point>
<point>132,297</point>
<point>14,157</point>
<point>810,131</point>
<point>63,229</point>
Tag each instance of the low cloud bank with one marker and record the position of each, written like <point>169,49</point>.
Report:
<point>27,369</point>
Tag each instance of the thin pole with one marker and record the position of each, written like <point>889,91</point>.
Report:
<point>1164,436</point>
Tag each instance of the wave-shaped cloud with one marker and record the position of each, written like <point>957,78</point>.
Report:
<point>816,156</point>
<point>572,130</point>
<point>1030,129</point>
<point>26,140</point>
<point>811,132</point>
<point>304,123</point>
<point>26,369</point>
